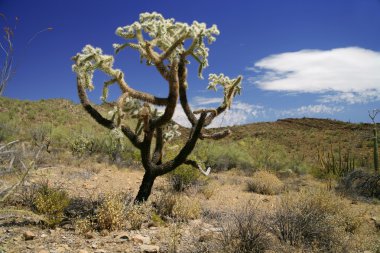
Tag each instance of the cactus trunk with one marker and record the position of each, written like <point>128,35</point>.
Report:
<point>375,150</point>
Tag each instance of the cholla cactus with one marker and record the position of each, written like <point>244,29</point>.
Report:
<point>161,43</point>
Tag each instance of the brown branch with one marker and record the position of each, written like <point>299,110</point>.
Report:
<point>182,76</point>
<point>157,155</point>
<point>160,66</point>
<point>216,136</point>
<point>172,98</point>
<point>91,110</point>
<point>131,136</point>
<point>184,152</point>
<point>214,113</point>
<point>146,97</point>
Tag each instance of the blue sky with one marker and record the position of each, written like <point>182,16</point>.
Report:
<point>299,58</point>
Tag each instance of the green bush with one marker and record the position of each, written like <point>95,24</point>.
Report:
<point>184,177</point>
<point>219,158</point>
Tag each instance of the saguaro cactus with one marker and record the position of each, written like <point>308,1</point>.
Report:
<point>372,115</point>
<point>161,43</point>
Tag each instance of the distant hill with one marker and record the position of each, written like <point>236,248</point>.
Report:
<point>300,139</point>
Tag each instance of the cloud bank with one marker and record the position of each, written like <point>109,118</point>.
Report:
<point>349,75</point>
<point>240,113</point>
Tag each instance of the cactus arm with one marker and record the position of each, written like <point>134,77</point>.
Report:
<point>172,98</point>
<point>91,110</point>
<point>197,165</point>
<point>170,50</point>
<point>182,77</point>
<point>133,138</point>
<point>157,155</point>
<point>375,149</point>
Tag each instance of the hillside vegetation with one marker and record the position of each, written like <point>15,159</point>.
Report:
<point>287,144</point>
<point>294,185</point>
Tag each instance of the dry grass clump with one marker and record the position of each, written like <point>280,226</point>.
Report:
<point>136,215</point>
<point>264,182</point>
<point>316,220</point>
<point>83,225</point>
<point>178,206</point>
<point>245,232</point>
<point>110,214</point>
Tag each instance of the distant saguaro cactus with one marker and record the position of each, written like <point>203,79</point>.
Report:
<point>372,115</point>
<point>161,43</point>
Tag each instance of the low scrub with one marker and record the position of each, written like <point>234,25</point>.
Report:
<point>245,232</point>
<point>111,214</point>
<point>185,177</point>
<point>264,182</point>
<point>315,220</point>
<point>361,183</point>
<point>177,206</point>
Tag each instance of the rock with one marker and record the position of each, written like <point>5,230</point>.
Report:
<point>82,251</point>
<point>149,248</point>
<point>43,235</point>
<point>43,251</point>
<point>376,220</point>
<point>216,230</point>
<point>104,232</point>
<point>208,236</point>
<point>141,239</point>
<point>100,251</point>
<point>28,235</point>
<point>123,236</point>
<point>89,235</point>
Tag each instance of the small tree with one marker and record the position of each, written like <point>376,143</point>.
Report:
<point>373,115</point>
<point>161,43</point>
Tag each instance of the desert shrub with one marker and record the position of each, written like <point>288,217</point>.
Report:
<point>51,201</point>
<point>264,182</point>
<point>177,206</point>
<point>40,133</point>
<point>164,203</point>
<point>8,131</point>
<point>245,232</point>
<point>361,183</point>
<point>136,215</point>
<point>184,177</point>
<point>83,225</point>
<point>110,214</point>
<point>186,208</point>
<point>82,145</point>
<point>219,158</point>
<point>313,219</point>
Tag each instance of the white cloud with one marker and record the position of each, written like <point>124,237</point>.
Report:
<point>240,113</point>
<point>206,101</point>
<point>347,74</point>
<point>310,110</point>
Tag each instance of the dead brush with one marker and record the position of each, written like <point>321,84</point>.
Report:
<point>313,219</point>
<point>111,213</point>
<point>245,232</point>
<point>177,206</point>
